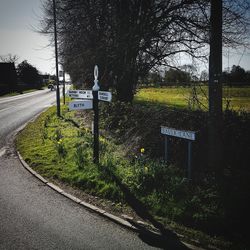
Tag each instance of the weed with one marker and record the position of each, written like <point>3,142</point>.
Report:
<point>82,155</point>
<point>60,147</point>
<point>57,134</point>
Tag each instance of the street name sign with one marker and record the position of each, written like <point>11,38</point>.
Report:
<point>104,96</point>
<point>185,134</point>
<point>80,105</point>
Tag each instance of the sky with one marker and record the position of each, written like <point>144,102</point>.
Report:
<point>19,19</point>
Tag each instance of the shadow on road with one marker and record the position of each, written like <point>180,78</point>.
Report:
<point>166,239</point>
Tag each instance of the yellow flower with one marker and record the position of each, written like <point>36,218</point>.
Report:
<point>142,150</point>
<point>102,140</point>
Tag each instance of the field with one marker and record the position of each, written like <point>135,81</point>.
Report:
<point>234,98</point>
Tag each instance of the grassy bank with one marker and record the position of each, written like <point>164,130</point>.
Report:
<point>61,149</point>
<point>183,97</point>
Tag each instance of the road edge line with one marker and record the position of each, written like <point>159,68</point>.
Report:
<point>89,206</point>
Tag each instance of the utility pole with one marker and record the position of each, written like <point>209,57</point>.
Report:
<point>63,86</point>
<point>215,87</point>
<point>56,54</point>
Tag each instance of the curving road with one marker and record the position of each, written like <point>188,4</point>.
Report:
<point>33,216</point>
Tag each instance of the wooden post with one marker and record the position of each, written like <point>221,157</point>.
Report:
<point>166,149</point>
<point>189,160</point>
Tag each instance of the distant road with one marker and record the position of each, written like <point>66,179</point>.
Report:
<point>33,216</point>
<point>16,110</point>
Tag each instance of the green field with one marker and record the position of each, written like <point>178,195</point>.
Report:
<point>182,97</point>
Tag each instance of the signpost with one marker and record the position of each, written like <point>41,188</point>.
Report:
<point>183,134</point>
<point>81,105</point>
<point>96,117</point>
<point>104,96</point>
<point>80,94</point>
<point>93,97</point>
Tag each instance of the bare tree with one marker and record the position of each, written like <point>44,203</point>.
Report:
<point>9,58</point>
<point>129,38</point>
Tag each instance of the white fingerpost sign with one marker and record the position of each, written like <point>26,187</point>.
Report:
<point>104,96</point>
<point>72,93</point>
<point>85,94</point>
<point>80,94</point>
<point>80,105</point>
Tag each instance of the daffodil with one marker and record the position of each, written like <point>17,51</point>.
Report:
<point>102,139</point>
<point>142,150</point>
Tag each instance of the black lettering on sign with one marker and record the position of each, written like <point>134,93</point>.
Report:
<point>77,105</point>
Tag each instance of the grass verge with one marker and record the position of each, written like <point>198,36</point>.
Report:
<point>61,149</point>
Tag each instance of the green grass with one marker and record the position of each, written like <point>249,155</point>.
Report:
<point>181,97</point>
<point>58,149</point>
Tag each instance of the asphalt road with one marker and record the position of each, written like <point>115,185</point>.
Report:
<point>16,110</point>
<point>33,216</point>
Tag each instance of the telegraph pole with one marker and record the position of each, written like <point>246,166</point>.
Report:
<point>63,86</point>
<point>56,54</point>
<point>215,86</point>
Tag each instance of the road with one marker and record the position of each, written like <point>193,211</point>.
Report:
<point>16,110</point>
<point>33,216</point>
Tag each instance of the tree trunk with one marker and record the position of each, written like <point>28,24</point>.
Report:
<point>126,85</point>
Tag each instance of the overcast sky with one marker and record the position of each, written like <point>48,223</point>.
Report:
<point>17,36</point>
